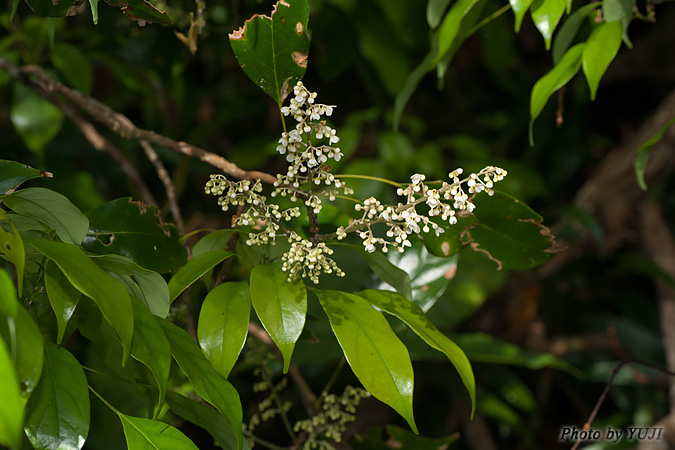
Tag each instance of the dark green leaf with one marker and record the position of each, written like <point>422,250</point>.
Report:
<point>150,347</point>
<point>206,417</point>
<point>385,270</point>
<point>569,30</point>
<point>74,66</point>
<point>12,404</point>
<point>413,81</point>
<point>436,11</point>
<point>217,240</point>
<point>281,306</point>
<point>403,439</point>
<point>146,434</point>
<point>204,378</point>
<point>414,317</point>
<point>135,230</point>
<point>223,324</point>
<point>643,152</point>
<point>519,8</point>
<point>449,242</point>
<point>600,50</point>
<point>36,120</point>
<point>449,28</point>
<point>14,173</point>
<point>11,245</point>
<point>62,296</point>
<point>109,294</point>
<point>273,51</point>
<point>546,14</point>
<point>194,269</point>
<point>142,11</point>
<point>57,414</point>
<point>50,9</point>
<point>28,350</point>
<point>377,357</point>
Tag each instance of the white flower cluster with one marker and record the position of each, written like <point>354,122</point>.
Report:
<point>308,260</point>
<point>404,219</point>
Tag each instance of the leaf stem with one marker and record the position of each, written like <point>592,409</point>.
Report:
<point>368,177</point>
<point>263,442</point>
<point>488,19</point>
<point>330,383</point>
<point>100,397</point>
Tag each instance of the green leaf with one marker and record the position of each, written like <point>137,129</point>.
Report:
<point>52,210</point>
<point>194,269</point>
<point>63,297</point>
<point>94,11</point>
<point>36,120</point>
<point>12,404</point>
<point>643,152</point>
<point>414,317</point>
<point>135,230</point>
<point>569,30</point>
<point>223,324</point>
<point>147,286</point>
<point>109,294</point>
<point>28,358</point>
<point>143,11</point>
<point>146,434</point>
<point>620,10</point>
<point>74,65</point>
<point>50,9</point>
<point>403,439</point>
<point>519,8</point>
<point>8,303</point>
<point>546,14</point>
<point>207,382</point>
<point>57,414</point>
<point>449,28</point>
<point>11,245</point>
<point>151,347</point>
<point>273,51</point>
<point>14,173</point>
<point>600,50</point>
<point>448,243</point>
<point>206,417</point>
<point>555,79</point>
<point>217,240</point>
<point>281,306</point>
<point>377,357</point>
<point>385,270</point>
<point>436,11</point>
<point>413,81</point>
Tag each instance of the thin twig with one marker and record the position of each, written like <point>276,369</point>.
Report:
<point>168,184</point>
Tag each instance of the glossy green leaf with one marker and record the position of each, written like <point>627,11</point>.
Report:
<point>63,297</point>
<point>206,417</point>
<point>377,357</point>
<point>555,79</point>
<point>74,65</point>
<point>281,306</point>
<point>223,324</point>
<point>94,11</point>
<point>273,50</point>
<point>519,8</point>
<point>36,120</point>
<point>11,244</point>
<point>448,243</point>
<point>436,12</point>
<point>146,434</point>
<point>194,269</point>
<point>600,50</point>
<point>449,28</point>
<point>109,294</point>
<point>207,382</point>
<point>216,240</point>
<point>386,270</point>
<point>151,347</point>
<point>52,210</point>
<point>12,404</point>
<point>135,230</point>
<point>643,152</point>
<point>57,414</point>
<point>620,10</point>
<point>147,286</point>
<point>414,317</point>
<point>403,439</point>
<point>12,174</point>
<point>568,30</point>
<point>546,14</point>
<point>143,11</point>
<point>28,355</point>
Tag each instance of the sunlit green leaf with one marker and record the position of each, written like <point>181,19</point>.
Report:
<point>74,66</point>
<point>204,378</point>
<point>569,29</point>
<point>414,317</point>
<point>51,209</point>
<point>377,357</point>
<point>643,152</point>
<point>600,50</point>
<point>12,174</point>
<point>146,434</point>
<point>194,269</point>
<point>36,120</point>
<point>57,414</point>
<point>223,324</point>
<point>273,51</point>
<point>12,404</point>
<point>63,297</point>
<point>12,246</point>
<point>449,28</point>
<point>109,294</point>
<point>281,306</point>
<point>519,8</point>
<point>546,14</point>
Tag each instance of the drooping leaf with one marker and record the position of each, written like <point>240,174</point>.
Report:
<point>62,295</point>
<point>74,65</point>
<point>151,347</point>
<point>619,10</point>
<point>411,83</point>
<point>52,210</point>
<point>147,286</point>
<point>546,14</point>
<point>194,269</point>
<point>273,50</point>
<point>146,434</point>
<point>11,244</point>
<point>600,50</point>
<point>36,120</point>
<point>643,152</point>
<point>143,11</point>
<point>555,79</point>
<point>568,30</point>
<point>414,317</point>
<point>436,11</point>
<point>519,8</point>
<point>206,417</point>
<point>13,173</point>
<point>109,294</point>
<point>207,382</point>
<point>281,306</point>
<point>223,324</point>
<point>135,230</point>
<point>12,404</point>
<point>377,357</point>
<point>450,26</point>
<point>57,414</point>
<point>94,11</point>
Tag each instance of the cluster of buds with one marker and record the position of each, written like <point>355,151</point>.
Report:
<point>308,260</point>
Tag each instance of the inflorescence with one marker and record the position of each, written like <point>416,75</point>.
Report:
<point>308,178</point>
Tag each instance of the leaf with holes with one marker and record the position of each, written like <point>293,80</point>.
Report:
<point>14,173</point>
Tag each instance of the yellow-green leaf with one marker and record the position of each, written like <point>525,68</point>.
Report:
<point>600,50</point>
